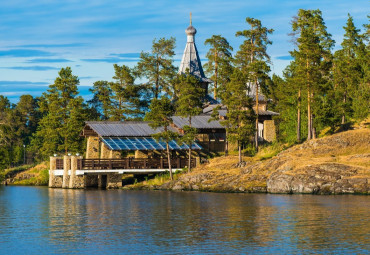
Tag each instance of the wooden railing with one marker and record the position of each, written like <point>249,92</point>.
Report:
<point>59,163</point>
<point>132,163</point>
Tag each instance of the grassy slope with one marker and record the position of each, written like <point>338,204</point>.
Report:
<point>36,175</point>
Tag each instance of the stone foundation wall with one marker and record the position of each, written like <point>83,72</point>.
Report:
<point>56,182</point>
<point>114,181</point>
<point>78,182</point>
<point>90,180</point>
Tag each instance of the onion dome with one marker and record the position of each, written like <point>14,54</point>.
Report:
<point>191,30</point>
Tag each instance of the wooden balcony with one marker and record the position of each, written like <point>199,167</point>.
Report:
<point>129,163</point>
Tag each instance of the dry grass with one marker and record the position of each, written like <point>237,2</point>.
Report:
<point>37,175</point>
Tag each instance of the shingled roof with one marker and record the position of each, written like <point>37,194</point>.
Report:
<point>199,122</point>
<point>124,128</point>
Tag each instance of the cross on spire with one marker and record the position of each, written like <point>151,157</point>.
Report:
<point>190,19</point>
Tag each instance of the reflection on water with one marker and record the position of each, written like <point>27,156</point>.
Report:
<point>41,220</point>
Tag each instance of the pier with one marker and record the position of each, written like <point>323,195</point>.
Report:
<point>75,172</point>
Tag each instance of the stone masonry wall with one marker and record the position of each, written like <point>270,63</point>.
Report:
<point>269,131</point>
<point>92,150</point>
<point>114,181</point>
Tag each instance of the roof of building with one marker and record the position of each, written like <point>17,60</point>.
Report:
<point>124,128</point>
<point>210,100</point>
<point>190,59</point>
<point>199,122</point>
<point>267,112</point>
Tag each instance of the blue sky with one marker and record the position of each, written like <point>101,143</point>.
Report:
<point>39,37</point>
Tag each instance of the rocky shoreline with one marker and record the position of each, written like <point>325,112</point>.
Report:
<point>338,164</point>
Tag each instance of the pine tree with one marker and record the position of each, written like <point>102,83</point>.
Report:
<point>347,69</point>
<point>361,96</point>
<point>219,61</point>
<point>63,116</point>
<point>312,59</point>
<point>158,67</point>
<point>102,99</point>
<point>189,104</point>
<point>253,60</point>
<point>240,117</point>
<point>160,113</point>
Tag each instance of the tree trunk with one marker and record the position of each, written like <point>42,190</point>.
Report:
<point>226,145</point>
<point>309,115</point>
<point>344,112</point>
<point>240,152</point>
<point>191,144</point>
<point>169,160</point>
<point>189,161</point>
<point>299,116</point>
<point>156,93</point>
<point>257,115</point>
<point>216,77</point>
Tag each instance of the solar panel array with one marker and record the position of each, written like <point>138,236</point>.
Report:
<point>143,143</point>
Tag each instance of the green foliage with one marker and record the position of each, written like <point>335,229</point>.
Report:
<point>17,123</point>
<point>240,121</point>
<point>349,70</point>
<point>127,103</point>
<point>121,99</point>
<point>63,117</point>
<point>189,104</point>
<point>157,66</point>
<point>312,62</point>
<point>252,58</point>
<point>101,102</point>
<point>161,111</point>
<point>219,65</point>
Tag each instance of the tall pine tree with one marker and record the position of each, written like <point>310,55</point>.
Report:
<point>160,114</point>
<point>253,60</point>
<point>157,66</point>
<point>63,116</point>
<point>312,59</point>
<point>188,105</point>
<point>219,61</point>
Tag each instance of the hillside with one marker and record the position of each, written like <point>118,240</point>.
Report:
<point>336,164</point>
<point>28,175</point>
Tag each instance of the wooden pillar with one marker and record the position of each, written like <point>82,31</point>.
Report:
<point>66,168</point>
<point>92,150</point>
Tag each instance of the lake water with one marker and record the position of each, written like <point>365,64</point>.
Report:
<point>38,220</point>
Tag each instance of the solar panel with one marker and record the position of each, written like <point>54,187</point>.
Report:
<point>143,143</point>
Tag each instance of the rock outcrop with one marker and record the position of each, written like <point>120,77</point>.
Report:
<point>326,178</point>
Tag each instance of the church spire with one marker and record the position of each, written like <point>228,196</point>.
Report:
<point>190,59</point>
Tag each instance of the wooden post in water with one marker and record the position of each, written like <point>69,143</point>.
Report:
<point>66,168</point>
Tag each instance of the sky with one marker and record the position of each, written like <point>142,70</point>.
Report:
<point>39,37</point>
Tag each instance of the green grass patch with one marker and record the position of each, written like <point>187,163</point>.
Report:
<point>41,179</point>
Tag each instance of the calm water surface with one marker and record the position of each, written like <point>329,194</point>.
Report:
<point>38,220</point>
